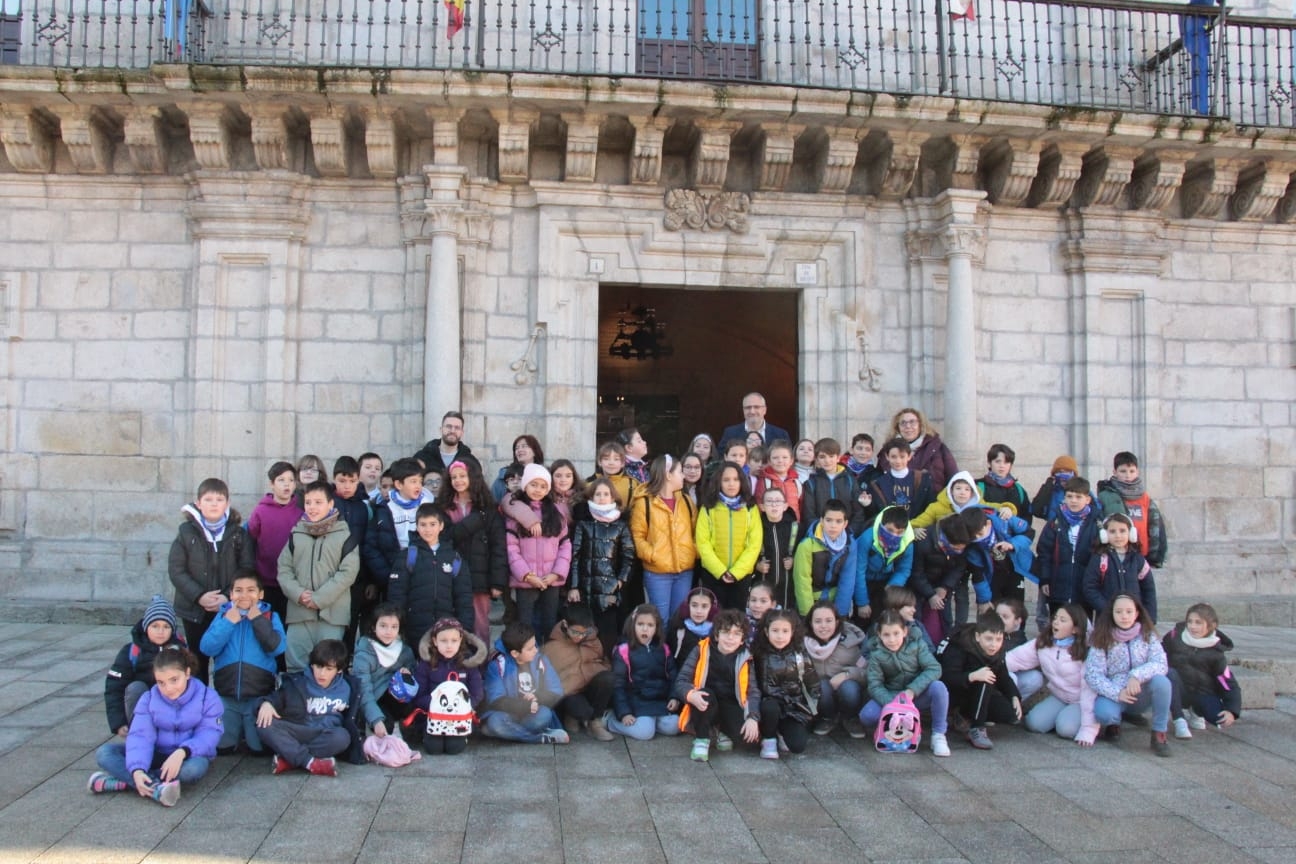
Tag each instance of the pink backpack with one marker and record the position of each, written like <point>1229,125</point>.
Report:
<point>899,729</point>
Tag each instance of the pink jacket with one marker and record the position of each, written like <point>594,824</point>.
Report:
<point>1064,678</point>
<point>538,555</point>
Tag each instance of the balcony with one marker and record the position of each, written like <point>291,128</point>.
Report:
<point>1144,57</point>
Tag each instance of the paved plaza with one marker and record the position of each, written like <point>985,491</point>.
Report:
<point>1221,798</point>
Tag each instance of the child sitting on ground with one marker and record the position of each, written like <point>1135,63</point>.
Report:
<point>789,684</point>
<point>450,661</point>
<point>1204,689</point>
<point>900,662</point>
<point>1127,668</point>
<point>172,737</point>
<point>719,689</point>
<point>521,691</point>
<point>900,598</point>
<point>131,674</point>
<point>1013,614</point>
<point>314,716</point>
<point>381,653</point>
<point>1056,658</point>
<point>644,674</point>
<point>244,642</point>
<point>584,673</point>
<point>836,647</point>
<point>973,668</point>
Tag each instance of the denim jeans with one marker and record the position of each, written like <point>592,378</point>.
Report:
<point>846,700</point>
<point>239,721</point>
<point>935,698</point>
<point>644,728</point>
<point>667,591</point>
<point>1054,715</point>
<point>112,758</point>
<point>502,724</point>
<point>1155,695</point>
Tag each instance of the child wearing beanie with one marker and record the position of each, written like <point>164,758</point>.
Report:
<point>131,674</point>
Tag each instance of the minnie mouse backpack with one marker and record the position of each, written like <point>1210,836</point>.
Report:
<point>450,710</point>
<point>899,729</point>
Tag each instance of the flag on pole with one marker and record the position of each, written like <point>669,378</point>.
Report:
<point>455,17</point>
<point>960,10</point>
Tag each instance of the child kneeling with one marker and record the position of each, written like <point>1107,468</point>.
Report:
<point>314,716</point>
<point>172,737</point>
<point>719,688</point>
<point>643,672</point>
<point>789,683</point>
<point>900,662</point>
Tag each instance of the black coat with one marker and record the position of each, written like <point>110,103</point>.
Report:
<point>480,542</point>
<point>602,554</point>
<point>1204,670</point>
<point>134,663</point>
<point>786,677</point>
<point>196,568</point>
<point>778,541</point>
<point>960,656</point>
<point>644,686</point>
<point>933,568</point>
<point>430,455</point>
<point>439,585</point>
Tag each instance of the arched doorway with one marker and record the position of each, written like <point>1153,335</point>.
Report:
<point>713,346</point>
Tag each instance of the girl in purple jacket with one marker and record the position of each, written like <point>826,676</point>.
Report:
<point>172,737</point>
<point>538,563</point>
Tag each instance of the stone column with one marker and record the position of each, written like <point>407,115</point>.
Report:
<point>964,241</point>
<point>441,322</point>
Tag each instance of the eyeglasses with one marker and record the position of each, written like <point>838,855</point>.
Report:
<point>581,632</point>
<point>909,422</point>
<point>752,407</point>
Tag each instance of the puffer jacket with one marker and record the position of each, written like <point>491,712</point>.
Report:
<point>644,676</point>
<point>872,564</point>
<point>846,656</point>
<point>961,655</point>
<point>433,669</point>
<point>693,674</point>
<point>292,702</point>
<point>326,566</point>
<point>914,667</point>
<point>728,541</point>
<point>787,677</point>
<point>479,539</point>
<point>769,479</point>
<point>1107,671</point>
<point>134,662</point>
<point>374,677</point>
<point>437,586</point>
<point>820,574</point>
<point>539,555</point>
<point>575,662</point>
<point>243,654</point>
<point>1063,675</point>
<point>196,567</point>
<point>602,555</point>
<point>664,538</point>
<point>165,725</point>
<point>1204,670</point>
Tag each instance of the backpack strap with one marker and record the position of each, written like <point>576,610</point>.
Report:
<point>623,651</point>
<point>411,555</point>
<point>1102,568</point>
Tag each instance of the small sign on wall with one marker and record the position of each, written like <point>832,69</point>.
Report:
<point>807,273</point>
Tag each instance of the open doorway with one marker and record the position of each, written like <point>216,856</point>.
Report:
<point>676,362</point>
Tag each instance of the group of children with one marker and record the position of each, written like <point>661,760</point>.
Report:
<point>803,589</point>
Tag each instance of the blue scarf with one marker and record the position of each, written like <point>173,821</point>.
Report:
<point>889,542</point>
<point>402,503</point>
<point>856,468</point>
<point>1007,482</point>
<point>734,503</point>
<point>1074,519</point>
<point>215,529</point>
<point>946,547</point>
<point>702,630</point>
<point>1065,643</point>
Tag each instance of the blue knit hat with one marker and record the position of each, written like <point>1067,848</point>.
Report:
<point>159,610</point>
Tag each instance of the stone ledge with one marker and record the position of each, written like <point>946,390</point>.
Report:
<point>60,612</point>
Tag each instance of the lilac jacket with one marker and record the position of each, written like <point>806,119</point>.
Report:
<point>270,525</point>
<point>538,555</point>
<point>164,725</point>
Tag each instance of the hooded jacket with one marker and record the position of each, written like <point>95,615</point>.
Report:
<point>873,564</point>
<point>291,701</point>
<point>196,565</point>
<point>1204,670</point>
<point>501,681</point>
<point>728,540</point>
<point>934,458</point>
<point>134,662</point>
<point>914,667</point>
<point>575,662</point>
<point>846,656</point>
<point>269,527</point>
<point>163,725</point>
<point>944,504</point>
<point>433,669</point>
<point>539,555</point>
<point>820,573</point>
<point>243,654</point>
<point>325,565</point>
<point>437,586</point>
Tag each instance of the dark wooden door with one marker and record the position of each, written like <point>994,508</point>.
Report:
<point>699,39</point>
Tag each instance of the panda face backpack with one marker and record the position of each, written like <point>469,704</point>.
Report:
<point>899,728</point>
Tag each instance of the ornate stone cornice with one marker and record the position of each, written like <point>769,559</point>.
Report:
<point>329,142</point>
<point>965,159</point>
<point>1156,178</point>
<point>210,135</point>
<point>28,139</point>
<point>706,211</point>
<point>839,165</point>
<point>145,142</point>
<point>582,148</point>
<point>646,158</point>
<point>1207,186</point>
<point>1105,172</point>
<point>382,142</point>
<point>1009,167</point>
<point>270,136</point>
<point>89,134</point>
<point>1059,169</point>
<point>775,152</point>
<point>711,153</point>
<point>1259,188</point>
<point>242,205</point>
<point>515,147</point>
<point>901,166</point>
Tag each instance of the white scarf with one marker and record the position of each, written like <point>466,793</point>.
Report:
<point>388,655</point>
<point>1204,642</point>
<point>824,651</point>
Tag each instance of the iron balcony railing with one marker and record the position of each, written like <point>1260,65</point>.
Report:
<point>1133,56</point>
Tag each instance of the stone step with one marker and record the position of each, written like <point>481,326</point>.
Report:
<point>1249,610</point>
<point>1258,686</point>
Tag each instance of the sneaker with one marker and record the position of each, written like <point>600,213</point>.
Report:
<point>854,728</point>
<point>1195,720</point>
<point>723,742</point>
<point>939,745</point>
<point>1181,728</point>
<point>1159,745</point>
<point>598,730</point>
<point>782,745</point>
<point>555,736</point>
<point>959,723</point>
<point>279,765</point>
<point>167,794</point>
<point>1112,732</point>
<point>701,751</point>
<point>824,725</point>
<point>769,748</point>
<point>102,781</point>
<point>322,766</point>
<point>979,738</point>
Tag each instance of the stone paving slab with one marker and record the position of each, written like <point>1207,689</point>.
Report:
<point>1223,797</point>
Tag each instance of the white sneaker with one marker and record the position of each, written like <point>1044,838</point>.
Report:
<point>1195,720</point>
<point>940,747</point>
<point>769,748</point>
<point>1181,728</point>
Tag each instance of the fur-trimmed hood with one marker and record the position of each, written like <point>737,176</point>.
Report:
<point>477,652</point>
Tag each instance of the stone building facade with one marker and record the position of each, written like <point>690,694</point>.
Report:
<point>203,269</point>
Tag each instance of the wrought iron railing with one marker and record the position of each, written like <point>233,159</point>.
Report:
<point>1136,56</point>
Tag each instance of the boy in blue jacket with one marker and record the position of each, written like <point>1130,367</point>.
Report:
<point>1065,546</point>
<point>314,717</point>
<point>883,556</point>
<point>243,643</point>
<point>521,690</point>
